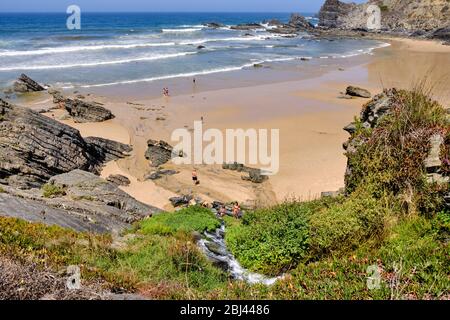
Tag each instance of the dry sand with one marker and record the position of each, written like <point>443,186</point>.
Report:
<point>309,113</point>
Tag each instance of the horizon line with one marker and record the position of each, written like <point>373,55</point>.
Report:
<point>163,11</point>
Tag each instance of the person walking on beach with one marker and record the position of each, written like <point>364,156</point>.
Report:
<point>195,177</point>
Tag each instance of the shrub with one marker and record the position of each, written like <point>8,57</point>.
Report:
<point>391,156</point>
<point>187,220</point>
<point>51,191</point>
<point>272,240</point>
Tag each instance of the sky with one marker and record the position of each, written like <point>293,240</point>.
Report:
<point>164,5</point>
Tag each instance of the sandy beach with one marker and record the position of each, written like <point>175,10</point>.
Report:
<point>306,106</point>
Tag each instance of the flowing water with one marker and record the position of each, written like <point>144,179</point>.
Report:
<point>214,247</point>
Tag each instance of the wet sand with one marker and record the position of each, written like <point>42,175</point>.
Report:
<point>307,108</point>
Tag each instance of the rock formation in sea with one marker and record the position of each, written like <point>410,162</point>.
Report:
<point>396,15</point>
<point>25,84</point>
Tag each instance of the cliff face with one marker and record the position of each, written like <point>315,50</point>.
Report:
<point>396,15</point>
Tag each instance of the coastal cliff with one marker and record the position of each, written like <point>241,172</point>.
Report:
<point>396,15</point>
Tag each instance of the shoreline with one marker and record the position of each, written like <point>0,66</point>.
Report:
<point>309,114</point>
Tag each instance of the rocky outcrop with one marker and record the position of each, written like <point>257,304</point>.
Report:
<point>34,148</point>
<point>88,204</point>
<point>80,184</point>
<point>296,24</point>
<point>247,26</point>
<point>214,25</point>
<point>372,112</point>
<point>357,92</point>
<point>331,13</point>
<point>81,111</point>
<point>299,22</point>
<point>158,152</point>
<point>181,200</point>
<point>396,15</point>
<point>254,175</point>
<point>442,33</point>
<point>105,150</point>
<point>160,173</point>
<point>26,84</point>
<point>119,180</point>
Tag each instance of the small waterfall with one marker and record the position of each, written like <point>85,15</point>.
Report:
<point>214,247</point>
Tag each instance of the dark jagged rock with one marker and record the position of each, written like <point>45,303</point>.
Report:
<point>254,175</point>
<point>377,107</point>
<point>296,24</point>
<point>181,201</point>
<point>26,84</point>
<point>358,92</point>
<point>158,152</point>
<point>214,25</point>
<point>105,150</point>
<point>58,98</point>
<point>273,22</point>
<point>34,148</point>
<point>118,180</point>
<point>160,173</point>
<point>299,22</point>
<point>82,111</point>
<point>442,34</point>
<point>331,11</point>
<point>247,26</point>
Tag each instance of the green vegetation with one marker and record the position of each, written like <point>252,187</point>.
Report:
<point>2,190</point>
<point>188,220</point>
<point>51,190</point>
<point>384,8</point>
<point>160,266</point>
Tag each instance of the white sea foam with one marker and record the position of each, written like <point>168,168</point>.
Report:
<point>99,63</point>
<point>172,76</point>
<point>81,48</point>
<point>182,30</point>
<point>57,50</point>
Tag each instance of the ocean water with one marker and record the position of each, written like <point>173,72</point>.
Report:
<point>127,48</point>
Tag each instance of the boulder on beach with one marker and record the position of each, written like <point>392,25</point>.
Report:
<point>25,84</point>
<point>118,180</point>
<point>158,152</point>
<point>358,92</point>
<point>254,175</point>
<point>81,111</point>
<point>181,200</point>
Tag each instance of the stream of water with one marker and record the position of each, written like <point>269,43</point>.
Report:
<point>214,247</point>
